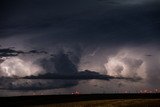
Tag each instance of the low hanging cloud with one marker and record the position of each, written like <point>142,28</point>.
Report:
<point>62,60</point>
<point>30,84</point>
<point>11,64</point>
<point>134,62</point>
<point>9,52</point>
<point>102,27</point>
<point>125,65</point>
<point>59,71</point>
<point>15,66</point>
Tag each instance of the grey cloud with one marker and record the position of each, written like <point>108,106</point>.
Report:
<point>129,2</point>
<point>30,84</point>
<point>119,69</point>
<point>152,69</point>
<point>103,24</point>
<point>83,75</point>
<point>63,61</point>
<point>9,52</point>
<point>52,25</point>
<point>133,65</point>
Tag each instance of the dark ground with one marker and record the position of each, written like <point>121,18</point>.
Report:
<point>58,100</point>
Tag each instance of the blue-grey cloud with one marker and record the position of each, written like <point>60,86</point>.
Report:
<point>72,23</point>
<point>9,52</point>
<point>31,84</point>
<point>108,25</point>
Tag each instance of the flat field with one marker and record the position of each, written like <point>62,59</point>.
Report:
<point>108,103</point>
<point>86,100</point>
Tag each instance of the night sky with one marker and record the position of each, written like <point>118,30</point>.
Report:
<point>90,46</point>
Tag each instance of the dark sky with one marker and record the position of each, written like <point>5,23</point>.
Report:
<point>84,21</point>
<point>108,37</point>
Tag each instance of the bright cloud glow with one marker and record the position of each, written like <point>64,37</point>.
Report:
<point>18,67</point>
<point>127,64</point>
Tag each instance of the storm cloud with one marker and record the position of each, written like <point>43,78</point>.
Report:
<point>82,21</point>
<point>30,84</point>
<point>109,38</point>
